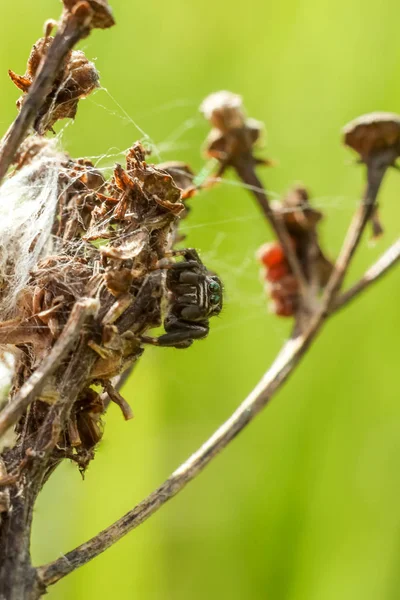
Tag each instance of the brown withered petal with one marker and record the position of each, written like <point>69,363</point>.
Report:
<point>102,15</point>
<point>22,83</point>
<point>39,49</point>
<point>373,132</point>
<point>130,247</point>
<point>77,79</point>
<point>180,172</point>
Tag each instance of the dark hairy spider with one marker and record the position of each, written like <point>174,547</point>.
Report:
<point>195,295</point>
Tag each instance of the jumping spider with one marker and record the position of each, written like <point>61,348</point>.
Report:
<point>195,295</point>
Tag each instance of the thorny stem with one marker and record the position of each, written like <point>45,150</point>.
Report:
<point>72,30</point>
<point>82,310</point>
<point>284,365</point>
<point>245,170</point>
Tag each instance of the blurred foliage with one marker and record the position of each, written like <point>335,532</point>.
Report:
<point>304,504</point>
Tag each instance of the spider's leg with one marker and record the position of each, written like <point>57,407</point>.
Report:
<point>180,335</point>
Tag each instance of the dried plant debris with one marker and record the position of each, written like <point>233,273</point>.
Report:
<point>111,240</point>
<point>233,135</point>
<point>183,176</point>
<point>376,138</point>
<point>301,221</point>
<point>101,14</point>
<point>372,133</point>
<point>77,79</point>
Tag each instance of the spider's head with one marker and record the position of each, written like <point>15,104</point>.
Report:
<point>214,295</point>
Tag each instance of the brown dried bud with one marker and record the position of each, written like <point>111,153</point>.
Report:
<point>77,79</point>
<point>372,133</point>
<point>301,221</point>
<point>376,137</point>
<point>101,18</point>
<point>233,135</point>
<point>299,216</point>
<point>224,110</point>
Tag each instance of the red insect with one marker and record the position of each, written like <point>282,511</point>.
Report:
<point>281,285</point>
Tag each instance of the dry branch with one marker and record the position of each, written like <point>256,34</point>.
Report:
<point>284,365</point>
<point>86,308</point>
<point>79,19</point>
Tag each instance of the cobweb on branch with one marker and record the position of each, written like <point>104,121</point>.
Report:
<point>28,202</point>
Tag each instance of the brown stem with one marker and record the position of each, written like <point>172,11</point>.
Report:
<point>375,174</point>
<point>259,397</point>
<point>289,357</point>
<point>245,169</point>
<point>18,579</point>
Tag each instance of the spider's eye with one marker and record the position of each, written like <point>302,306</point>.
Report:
<point>215,298</point>
<point>214,286</point>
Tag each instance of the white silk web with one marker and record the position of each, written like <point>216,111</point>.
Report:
<point>28,202</point>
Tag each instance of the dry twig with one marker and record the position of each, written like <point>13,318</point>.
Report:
<point>283,367</point>
<point>115,249</point>
<point>79,19</point>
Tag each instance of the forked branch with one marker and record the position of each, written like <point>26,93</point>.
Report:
<point>284,365</point>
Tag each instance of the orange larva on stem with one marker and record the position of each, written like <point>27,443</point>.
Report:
<point>271,254</point>
<point>277,272</point>
<point>282,287</point>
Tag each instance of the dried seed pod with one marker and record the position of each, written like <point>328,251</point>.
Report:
<point>299,216</point>
<point>233,135</point>
<point>376,138</point>
<point>302,221</point>
<point>372,133</point>
<point>77,79</point>
<point>101,17</point>
<point>224,110</point>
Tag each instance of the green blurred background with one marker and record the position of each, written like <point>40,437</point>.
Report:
<point>304,505</point>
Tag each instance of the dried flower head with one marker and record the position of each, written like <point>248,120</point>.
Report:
<point>233,135</point>
<point>373,133</point>
<point>224,110</point>
<point>299,216</point>
<point>110,241</point>
<point>301,221</point>
<point>77,79</point>
<point>376,138</point>
<point>101,14</point>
